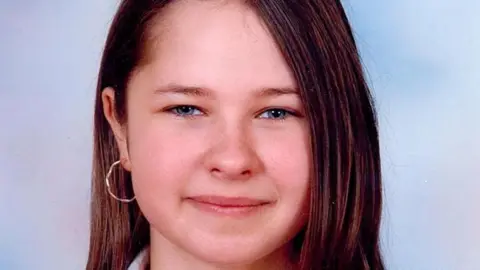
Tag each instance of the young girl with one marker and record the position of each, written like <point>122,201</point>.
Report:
<point>234,135</point>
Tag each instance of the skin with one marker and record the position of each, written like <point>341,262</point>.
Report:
<point>220,62</point>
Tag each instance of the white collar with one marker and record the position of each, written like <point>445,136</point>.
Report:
<point>137,262</point>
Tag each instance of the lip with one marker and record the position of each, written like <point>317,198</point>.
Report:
<point>236,207</point>
<point>222,201</point>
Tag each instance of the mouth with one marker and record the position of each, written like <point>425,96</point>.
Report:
<point>228,206</point>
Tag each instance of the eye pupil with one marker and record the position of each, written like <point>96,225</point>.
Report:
<point>185,110</point>
<point>277,113</point>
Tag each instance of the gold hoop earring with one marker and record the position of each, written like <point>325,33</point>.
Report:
<point>107,182</point>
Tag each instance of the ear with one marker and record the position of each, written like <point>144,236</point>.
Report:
<point>119,130</point>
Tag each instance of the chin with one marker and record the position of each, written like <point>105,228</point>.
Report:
<point>232,250</point>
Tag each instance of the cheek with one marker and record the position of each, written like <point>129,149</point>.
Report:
<point>287,160</point>
<point>288,163</point>
<point>162,160</point>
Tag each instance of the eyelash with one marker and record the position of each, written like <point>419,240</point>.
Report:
<point>175,110</point>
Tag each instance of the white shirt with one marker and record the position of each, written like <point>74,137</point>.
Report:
<point>137,262</point>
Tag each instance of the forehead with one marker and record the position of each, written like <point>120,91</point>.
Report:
<point>216,44</point>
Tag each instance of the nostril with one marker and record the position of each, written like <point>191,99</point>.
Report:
<point>245,173</point>
<point>231,174</point>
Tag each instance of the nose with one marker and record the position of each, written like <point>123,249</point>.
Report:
<point>232,155</point>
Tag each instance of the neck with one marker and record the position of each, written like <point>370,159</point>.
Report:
<point>163,254</point>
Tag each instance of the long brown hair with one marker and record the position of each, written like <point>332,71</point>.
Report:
<point>346,189</point>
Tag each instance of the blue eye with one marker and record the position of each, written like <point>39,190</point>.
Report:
<point>186,110</point>
<point>275,114</point>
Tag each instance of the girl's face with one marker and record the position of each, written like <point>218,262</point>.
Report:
<point>218,145</point>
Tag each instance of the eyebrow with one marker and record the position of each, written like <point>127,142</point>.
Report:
<point>205,92</point>
<point>269,92</point>
<point>184,90</point>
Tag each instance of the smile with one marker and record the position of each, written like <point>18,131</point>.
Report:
<point>228,206</point>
